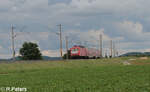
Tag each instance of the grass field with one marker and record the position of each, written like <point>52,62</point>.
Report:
<point>105,75</point>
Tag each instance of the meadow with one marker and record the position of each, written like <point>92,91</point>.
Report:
<point>102,75</point>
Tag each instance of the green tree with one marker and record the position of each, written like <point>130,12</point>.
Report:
<point>30,51</point>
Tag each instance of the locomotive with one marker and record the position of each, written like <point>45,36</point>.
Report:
<point>84,53</point>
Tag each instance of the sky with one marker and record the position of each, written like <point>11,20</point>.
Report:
<point>126,22</point>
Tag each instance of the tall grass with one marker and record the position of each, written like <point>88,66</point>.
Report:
<point>105,75</point>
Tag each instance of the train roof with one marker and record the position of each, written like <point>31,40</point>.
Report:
<point>79,46</point>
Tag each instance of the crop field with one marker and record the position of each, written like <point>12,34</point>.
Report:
<point>103,75</point>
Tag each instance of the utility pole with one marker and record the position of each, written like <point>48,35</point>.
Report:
<point>13,42</point>
<point>114,50</point>
<point>106,56</point>
<point>111,48</point>
<point>101,45</point>
<point>117,53</point>
<point>60,34</point>
<point>67,54</point>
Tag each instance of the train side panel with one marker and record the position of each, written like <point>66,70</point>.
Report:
<point>82,52</point>
<point>93,52</point>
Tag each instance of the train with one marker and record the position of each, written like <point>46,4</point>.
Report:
<point>83,52</point>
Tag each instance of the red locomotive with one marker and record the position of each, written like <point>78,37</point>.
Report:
<point>83,52</point>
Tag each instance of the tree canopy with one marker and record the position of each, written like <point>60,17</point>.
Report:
<point>30,51</point>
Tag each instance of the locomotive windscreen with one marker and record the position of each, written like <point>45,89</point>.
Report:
<point>73,51</point>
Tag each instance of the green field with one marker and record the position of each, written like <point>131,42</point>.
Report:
<point>105,75</point>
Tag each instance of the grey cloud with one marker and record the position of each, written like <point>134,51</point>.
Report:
<point>105,14</point>
<point>52,2</point>
<point>82,15</point>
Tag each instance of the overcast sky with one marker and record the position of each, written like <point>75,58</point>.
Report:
<point>126,22</point>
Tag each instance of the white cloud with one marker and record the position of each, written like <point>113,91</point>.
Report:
<point>90,38</point>
<point>132,31</point>
<point>131,28</point>
<point>52,53</point>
